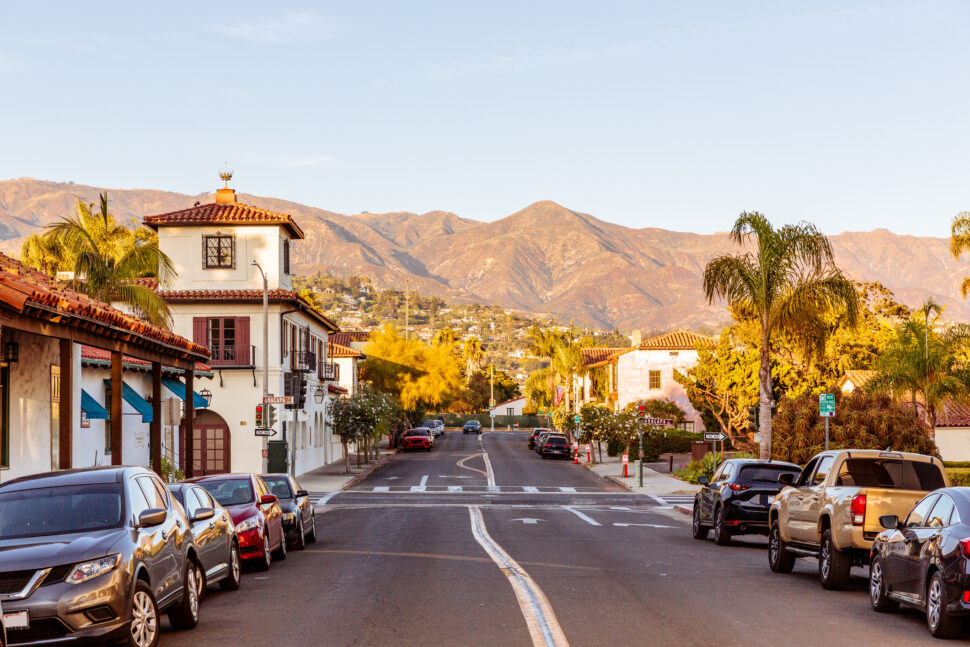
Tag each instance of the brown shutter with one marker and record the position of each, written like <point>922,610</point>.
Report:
<point>242,340</point>
<point>199,332</point>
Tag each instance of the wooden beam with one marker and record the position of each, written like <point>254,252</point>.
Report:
<point>189,445</point>
<point>66,413</point>
<point>116,421</point>
<point>155,430</point>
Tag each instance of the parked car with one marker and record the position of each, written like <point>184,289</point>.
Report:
<point>832,511</point>
<point>923,561</point>
<point>440,426</point>
<point>299,520</point>
<point>555,446</point>
<point>3,630</point>
<point>256,513</point>
<point>94,555</point>
<point>535,434</point>
<point>418,438</point>
<point>215,537</point>
<point>541,439</point>
<point>735,500</point>
<point>433,425</point>
<point>472,427</point>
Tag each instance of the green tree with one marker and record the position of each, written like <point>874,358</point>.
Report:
<point>365,416</point>
<point>789,282</point>
<point>960,242</point>
<point>47,253</point>
<point>473,353</point>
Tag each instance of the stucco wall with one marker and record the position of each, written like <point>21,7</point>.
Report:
<point>30,405</point>
<point>633,372</point>
<point>954,443</point>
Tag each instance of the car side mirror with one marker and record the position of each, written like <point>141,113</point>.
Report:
<point>703,480</point>
<point>786,478</point>
<point>152,517</point>
<point>202,514</point>
<point>300,493</point>
<point>889,521</point>
<point>267,498</point>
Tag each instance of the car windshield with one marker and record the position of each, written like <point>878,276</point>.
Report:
<point>230,491</point>
<point>765,473</point>
<point>416,432</point>
<point>279,485</point>
<point>61,510</point>
<point>556,441</point>
<point>890,474</point>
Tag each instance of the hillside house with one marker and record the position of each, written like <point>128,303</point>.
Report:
<point>511,407</point>
<point>223,252</point>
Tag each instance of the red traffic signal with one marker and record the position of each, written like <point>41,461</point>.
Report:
<point>260,417</point>
<point>643,410</point>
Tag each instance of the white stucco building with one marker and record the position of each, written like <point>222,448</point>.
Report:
<point>217,301</point>
<point>512,407</point>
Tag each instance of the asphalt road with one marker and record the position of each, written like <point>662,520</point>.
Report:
<point>432,550</point>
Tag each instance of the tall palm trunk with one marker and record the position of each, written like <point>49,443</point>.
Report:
<point>764,396</point>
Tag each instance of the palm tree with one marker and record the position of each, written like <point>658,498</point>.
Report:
<point>46,253</point>
<point>474,353</point>
<point>960,242</point>
<point>109,258</point>
<point>923,364</point>
<point>789,281</point>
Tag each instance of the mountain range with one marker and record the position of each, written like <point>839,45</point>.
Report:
<point>545,258</point>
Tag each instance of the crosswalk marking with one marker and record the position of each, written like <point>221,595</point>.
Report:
<point>454,488</point>
<point>382,488</point>
<point>529,488</point>
<point>567,489</point>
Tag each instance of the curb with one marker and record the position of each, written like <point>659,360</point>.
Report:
<point>684,509</point>
<point>367,472</point>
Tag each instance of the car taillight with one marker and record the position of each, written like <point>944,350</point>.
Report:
<point>965,547</point>
<point>737,487</point>
<point>857,509</point>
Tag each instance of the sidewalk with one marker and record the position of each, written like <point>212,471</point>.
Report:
<point>653,481</point>
<point>334,477</point>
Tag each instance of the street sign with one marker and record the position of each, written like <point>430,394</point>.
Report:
<point>826,405</point>
<point>278,399</point>
<point>714,436</point>
<point>265,432</point>
<point>576,419</point>
<point>663,422</point>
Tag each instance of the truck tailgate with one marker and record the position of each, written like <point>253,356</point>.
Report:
<point>881,501</point>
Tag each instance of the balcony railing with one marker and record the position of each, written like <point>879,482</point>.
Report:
<point>233,356</point>
<point>327,370</point>
<point>302,361</point>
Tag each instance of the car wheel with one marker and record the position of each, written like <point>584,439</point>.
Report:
<point>722,536</point>
<point>266,559</point>
<point>185,614</point>
<point>280,553</point>
<point>143,630</point>
<point>941,622</point>
<point>833,564</point>
<point>300,542</point>
<point>200,582</point>
<point>233,579</point>
<point>697,529</point>
<point>779,559</point>
<point>311,537</point>
<point>878,591</point>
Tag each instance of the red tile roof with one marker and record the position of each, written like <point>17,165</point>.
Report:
<point>23,288</point>
<point>347,337</point>
<point>233,213</point>
<point>953,414</point>
<point>857,377</point>
<point>333,388</point>
<point>100,355</point>
<point>339,350</point>
<point>596,355</point>
<point>246,296</point>
<point>678,340</point>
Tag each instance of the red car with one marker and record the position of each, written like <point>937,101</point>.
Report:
<point>419,438</point>
<point>255,512</point>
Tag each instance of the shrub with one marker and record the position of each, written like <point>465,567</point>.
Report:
<point>958,475</point>
<point>704,467</point>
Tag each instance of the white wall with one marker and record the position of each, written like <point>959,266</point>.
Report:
<point>30,405</point>
<point>516,405</point>
<point>634,384</point>
<point>953,443</point>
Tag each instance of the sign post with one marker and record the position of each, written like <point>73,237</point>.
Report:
<point>826,409</point>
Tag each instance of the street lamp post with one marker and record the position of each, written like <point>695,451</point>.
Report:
<point>265,334</point>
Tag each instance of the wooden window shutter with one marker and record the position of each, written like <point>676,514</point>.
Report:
<point>242,340</point>
<point>200,333</point>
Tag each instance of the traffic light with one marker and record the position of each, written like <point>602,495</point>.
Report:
<point>270,415</point>
<point>753,425</point>
<point>288,388</point>
<point>301,391</point>
<point>261,416</point>
<point>642,411</point>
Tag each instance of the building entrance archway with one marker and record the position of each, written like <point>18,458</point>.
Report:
<point>211,444</point>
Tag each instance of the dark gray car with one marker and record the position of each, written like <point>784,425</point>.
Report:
<point>94,555</point>
<point>214,535</point>
<point>299,519</point>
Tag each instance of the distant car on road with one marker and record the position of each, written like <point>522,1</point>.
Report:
<point>440,426</point>
<point>555,446</point>
<point>418,438</point>
<point>535,434</point>
<point>543,435</point>
<point>94,555</point>
<point>256,513</point>
<point>215,537</point>
<point>437,427</point>
<point>923,561</point>
<point>472,427</point>
<point>735,500</point>
<point>299,520</point>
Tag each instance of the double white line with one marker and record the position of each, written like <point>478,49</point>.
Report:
<point>539,616</point>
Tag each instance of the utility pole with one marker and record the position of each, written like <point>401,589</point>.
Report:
<point>265,337</point>
<point>407,306</point>
<point>491,389</point>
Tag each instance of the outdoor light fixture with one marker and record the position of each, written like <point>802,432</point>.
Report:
<point>11,352</point>
<point>207,394</point>
<point>318,395</point>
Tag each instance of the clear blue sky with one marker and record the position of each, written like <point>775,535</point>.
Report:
<point>853,115</point>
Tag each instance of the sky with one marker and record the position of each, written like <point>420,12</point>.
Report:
<point>679,115</point>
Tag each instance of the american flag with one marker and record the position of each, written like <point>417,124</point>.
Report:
<point>560,395</point>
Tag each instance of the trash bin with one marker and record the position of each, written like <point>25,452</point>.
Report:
<point>277,458</point>
<point>698,448</point>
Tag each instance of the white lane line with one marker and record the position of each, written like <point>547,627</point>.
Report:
<point>495,488</point>
<point>530,488</point>
<point>424,480</point>
<point>326,497</point>
<point>454,488</point>
<point>588,519</point>
<point>657,499</point>
<point>618,507</point>
<point>382,488</point>
<point>488,468</point>
<point>567,489</point>
<point>539,617</point>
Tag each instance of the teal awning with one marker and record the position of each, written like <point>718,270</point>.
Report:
<point>92,409</point>
<point>178,388</point>
<point>140,404</point>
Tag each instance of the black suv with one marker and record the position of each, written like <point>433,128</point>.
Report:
<point>94,555</point>
<point>472,427</point>
<point>735,501</point>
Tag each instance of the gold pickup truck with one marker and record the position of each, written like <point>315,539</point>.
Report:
<point>831,510</point>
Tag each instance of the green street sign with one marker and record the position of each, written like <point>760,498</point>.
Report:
<point>576,419</point>
<point>826,405</point>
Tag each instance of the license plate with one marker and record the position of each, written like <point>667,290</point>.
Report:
<point>16,620</point>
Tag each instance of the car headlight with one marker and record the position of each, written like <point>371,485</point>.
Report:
<point>89,570</point>
<point>249,523</point>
